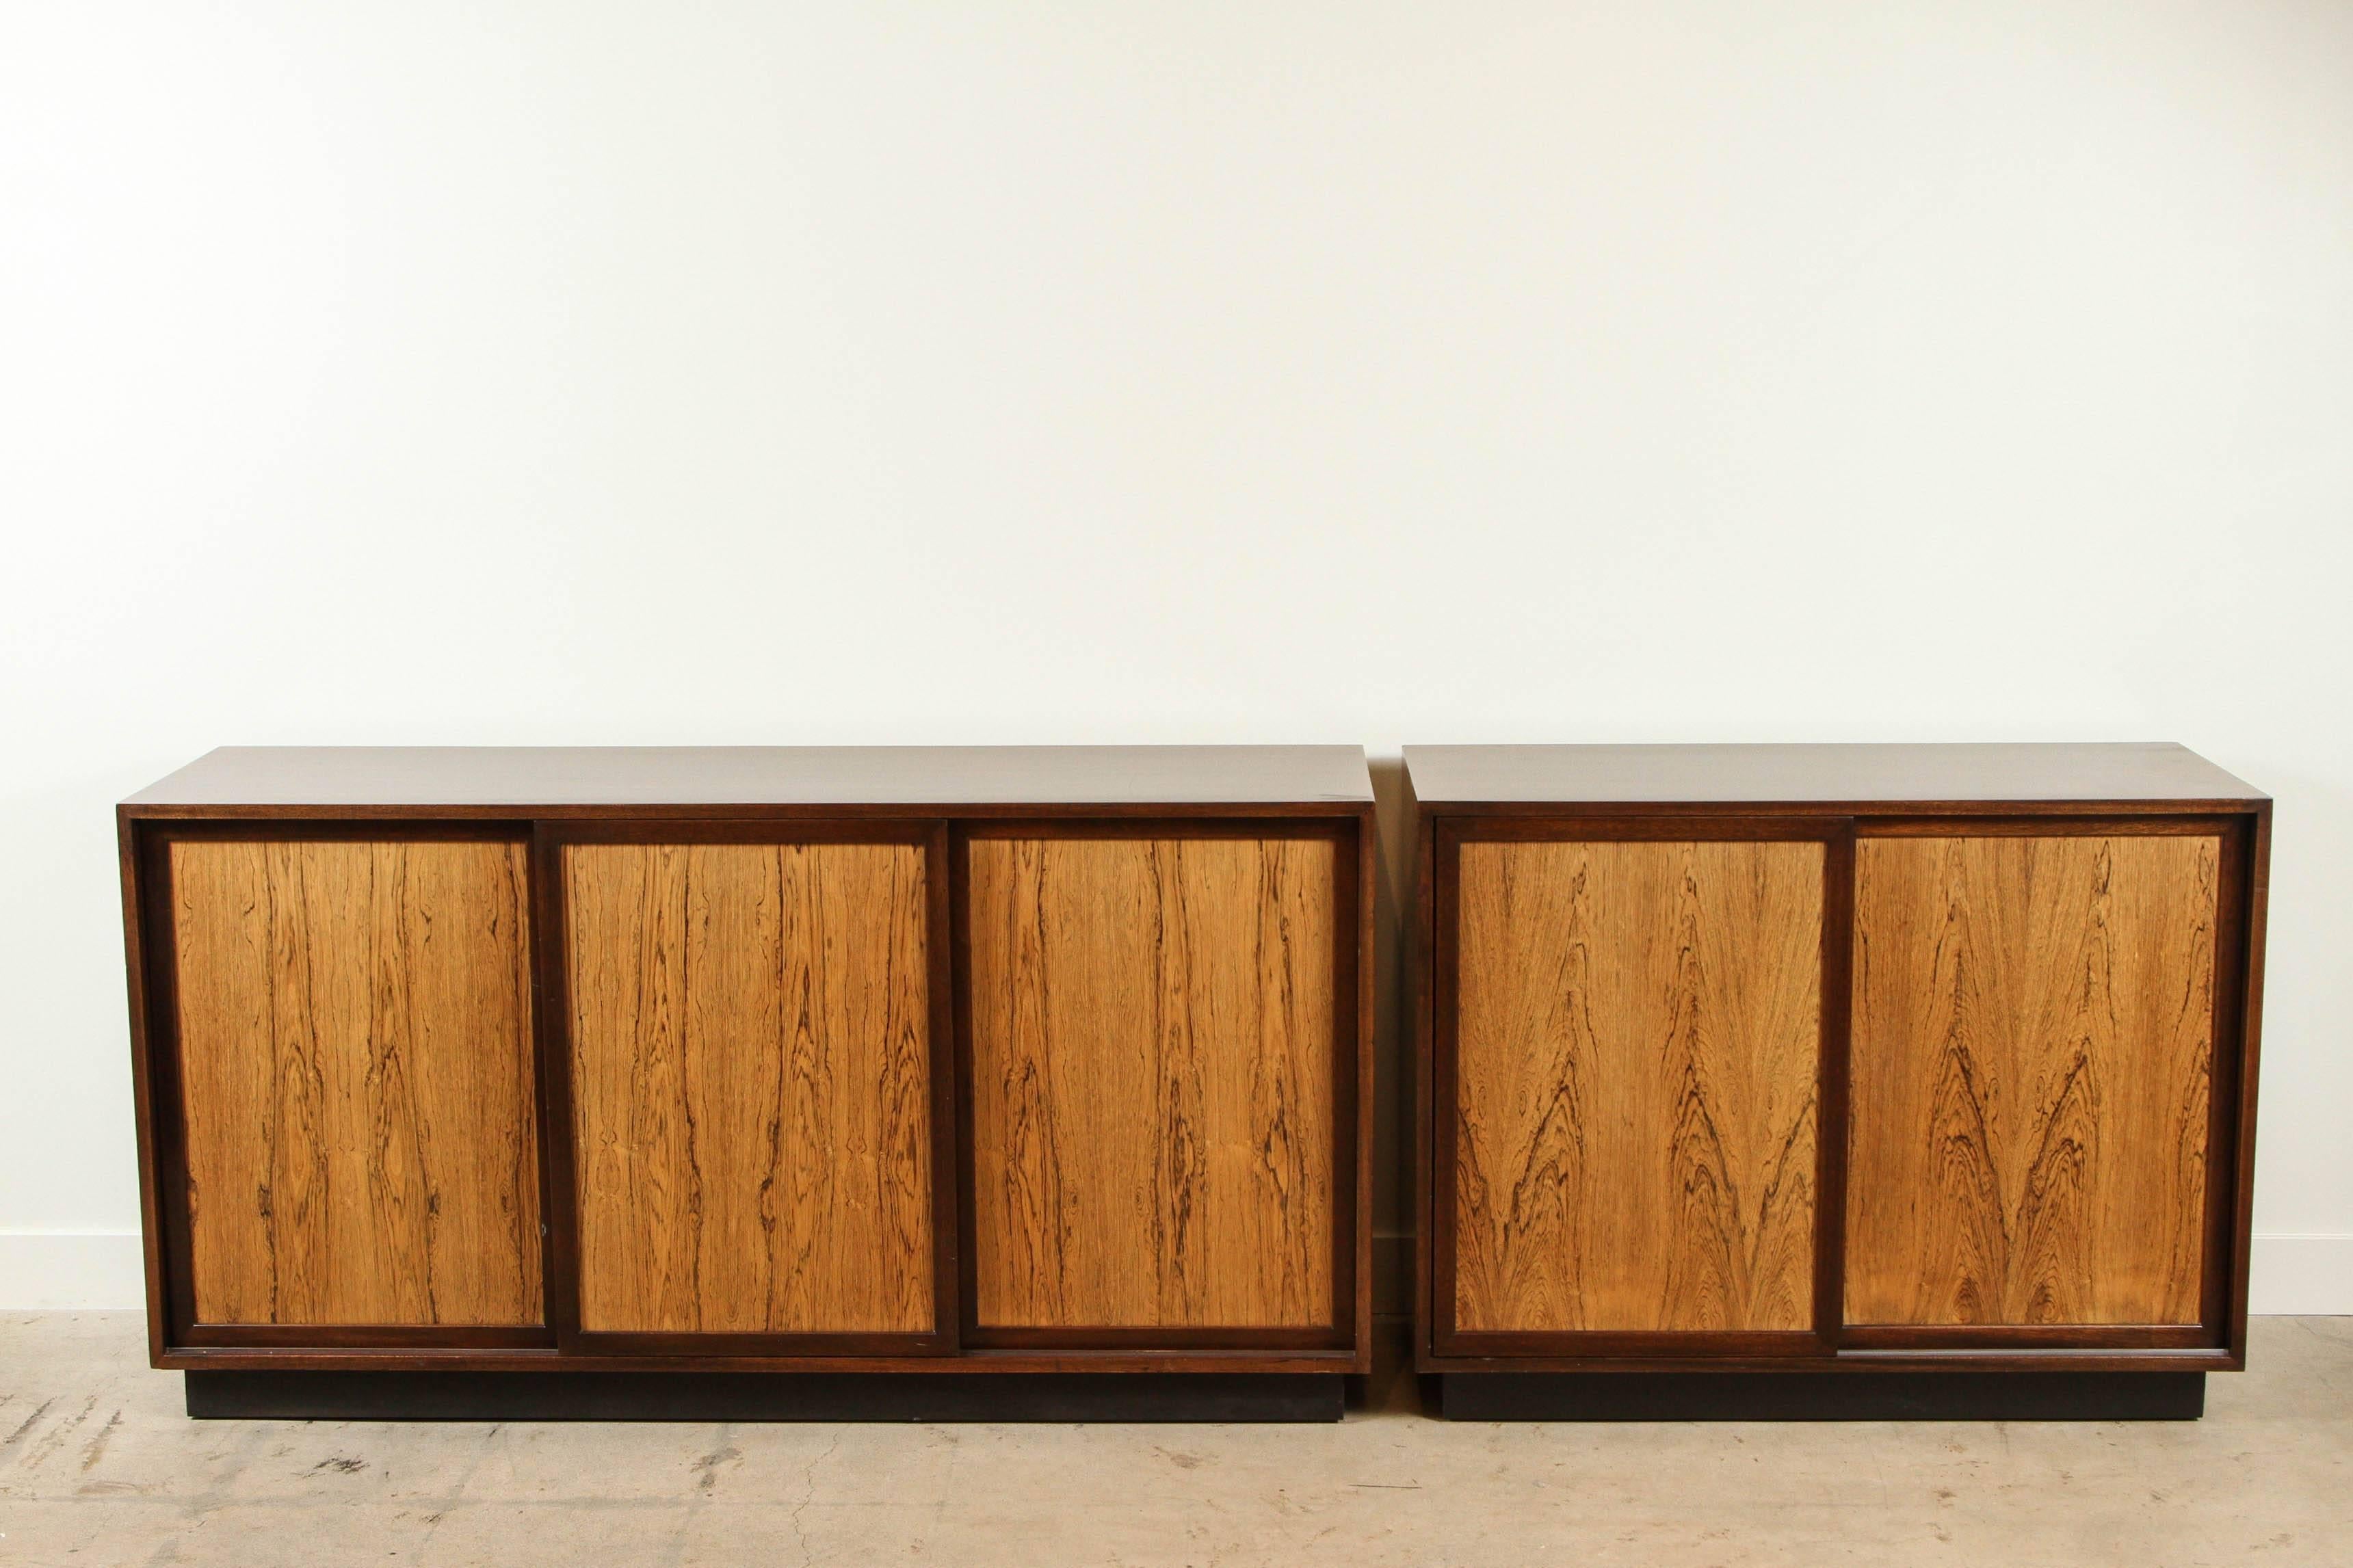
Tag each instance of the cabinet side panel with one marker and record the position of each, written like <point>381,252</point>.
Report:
<point>2032,1058</point>
<point>751,1083</point>
<point>1153,1049</point>
<point>355,1035</point>
<point>1638,1037</point>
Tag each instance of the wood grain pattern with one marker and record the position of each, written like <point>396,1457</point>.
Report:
<point>751,1071</point>
<point>355,1044</point>
<point>2032,1058</point>
<point>1152,1023</point>
<point>1637,1036</point>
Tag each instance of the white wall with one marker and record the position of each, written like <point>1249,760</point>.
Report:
<point>388,372</point>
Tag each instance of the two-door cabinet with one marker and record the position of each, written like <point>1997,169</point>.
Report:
<point>557,1068</point>
<point>1741,1063</point>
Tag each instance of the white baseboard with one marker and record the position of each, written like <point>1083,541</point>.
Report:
<point>44,1271</point>
<point>48,1271</point>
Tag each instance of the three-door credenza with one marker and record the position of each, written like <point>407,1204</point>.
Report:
<point>486,1081</point>
<point>1747,1072</point>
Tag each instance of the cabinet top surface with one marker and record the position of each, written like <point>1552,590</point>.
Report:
<point>1766,774</point>
<point>764,775</point>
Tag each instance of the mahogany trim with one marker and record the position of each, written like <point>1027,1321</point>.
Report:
<point>1939,810</point>
<point>1831,1119</point>
<point>2248,1022</point>
<point>143,1076</point>
<point>548,1359</point>
<point>552,1009</point>
<point>1867,1361</point>
<point>1445,1101</point>
<point>2025,1336</point>
<point>1671,1344</point>
<point>1422,994</point>
<point>1127,1337</point>
<point>1354,1161</point>
<point>2166,823</point>
<point>748,811</point>
<point>363,1336</point>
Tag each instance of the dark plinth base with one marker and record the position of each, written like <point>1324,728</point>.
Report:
<point>1820,1396</point>
<point>758,1396</point>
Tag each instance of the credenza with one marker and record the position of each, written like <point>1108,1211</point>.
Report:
<point>756,1081</point>
<point>1833,1080</point>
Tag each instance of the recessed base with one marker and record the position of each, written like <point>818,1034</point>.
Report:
<point>1819,1397</point>
<point>582,1396</point>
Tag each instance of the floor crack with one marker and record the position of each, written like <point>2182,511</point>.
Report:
<point>808,1496</point>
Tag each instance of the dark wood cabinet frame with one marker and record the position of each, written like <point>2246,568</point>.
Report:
<point>145,829</point>
<point>2216,1343</point>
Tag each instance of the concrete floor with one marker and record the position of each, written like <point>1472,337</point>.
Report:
<point>98,1465</point>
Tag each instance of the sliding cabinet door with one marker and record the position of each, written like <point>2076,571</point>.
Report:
<point>1630,1027</point>
<point>1162,1083</point>
<point>2034,1060</point>
<point>348,1134</point>
<point>758,1090</point>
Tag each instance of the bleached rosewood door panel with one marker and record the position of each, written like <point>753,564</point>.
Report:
<point>1636,1055</point>
<point>1154,1027</point>
<point>2032,1058</point>
<point>357,1095</point>
<point>751,1077</point>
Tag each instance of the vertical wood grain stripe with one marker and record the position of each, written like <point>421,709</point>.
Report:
<point>751,1079</point>
<point>1152,1043</point>
<point>2032,1057</point>
<point>355,1031</point>
<point>1638,1033</point>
